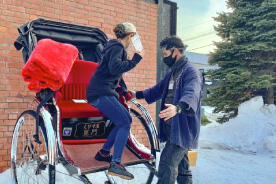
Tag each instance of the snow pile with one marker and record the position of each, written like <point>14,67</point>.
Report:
<point>253,130</point>
<point>5,177</point>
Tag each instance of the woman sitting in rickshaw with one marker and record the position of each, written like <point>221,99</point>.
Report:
<point>102,95</point>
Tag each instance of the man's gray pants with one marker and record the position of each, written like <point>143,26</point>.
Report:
<point>174,165</point>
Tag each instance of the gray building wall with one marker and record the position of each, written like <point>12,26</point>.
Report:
<point>166,27</point>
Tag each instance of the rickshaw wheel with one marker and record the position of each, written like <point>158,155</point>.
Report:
<point>29,159</point>
<point>142,134</point>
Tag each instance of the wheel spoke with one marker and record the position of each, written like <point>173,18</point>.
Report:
<point>31,166</point>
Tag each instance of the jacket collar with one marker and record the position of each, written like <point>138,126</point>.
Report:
<point>179,64</point>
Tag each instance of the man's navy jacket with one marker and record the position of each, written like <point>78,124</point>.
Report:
<point>185,127</point>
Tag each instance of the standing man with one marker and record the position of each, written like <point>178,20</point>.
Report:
<point>180,92</point>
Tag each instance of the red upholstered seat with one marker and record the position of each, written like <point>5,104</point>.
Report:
<point>70,109</point>
<point>75,88</point>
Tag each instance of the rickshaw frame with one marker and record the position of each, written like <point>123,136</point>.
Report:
<point>88,39</point>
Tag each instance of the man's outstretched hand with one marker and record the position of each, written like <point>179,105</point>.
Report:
<point>169,112</point>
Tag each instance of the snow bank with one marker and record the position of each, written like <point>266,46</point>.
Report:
<point>253,130</point>
<point>5,177</point>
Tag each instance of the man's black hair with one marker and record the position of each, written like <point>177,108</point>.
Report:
<point>173,42</point>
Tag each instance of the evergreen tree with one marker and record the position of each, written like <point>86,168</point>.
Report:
<point>246,55</point>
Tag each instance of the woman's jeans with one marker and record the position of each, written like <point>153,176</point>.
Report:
<point>117,113</point>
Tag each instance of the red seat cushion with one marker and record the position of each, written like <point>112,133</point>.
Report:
<point>75,88</point>
<point>70,109</point>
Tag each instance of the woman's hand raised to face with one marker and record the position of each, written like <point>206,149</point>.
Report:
<point>141,53</point>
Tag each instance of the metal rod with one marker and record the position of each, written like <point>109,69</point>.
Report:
<point>43,102</point>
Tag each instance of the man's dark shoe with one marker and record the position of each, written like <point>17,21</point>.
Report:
<point>103,157</point>
<point>119,170</point>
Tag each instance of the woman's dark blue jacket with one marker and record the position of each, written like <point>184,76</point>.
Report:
<point>110,70</point>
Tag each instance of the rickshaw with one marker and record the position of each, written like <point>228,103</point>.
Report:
<point>62,129</point>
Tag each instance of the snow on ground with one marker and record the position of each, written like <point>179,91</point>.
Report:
<point>252,131</point>
<point>241,151</point>
<point>220,166</point>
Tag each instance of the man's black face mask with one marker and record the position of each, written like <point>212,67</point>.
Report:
<point>169,61</point>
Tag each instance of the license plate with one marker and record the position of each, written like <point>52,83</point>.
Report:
<point>91,129</point>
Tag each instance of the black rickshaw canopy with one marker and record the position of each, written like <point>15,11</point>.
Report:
<point>89,40</point>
